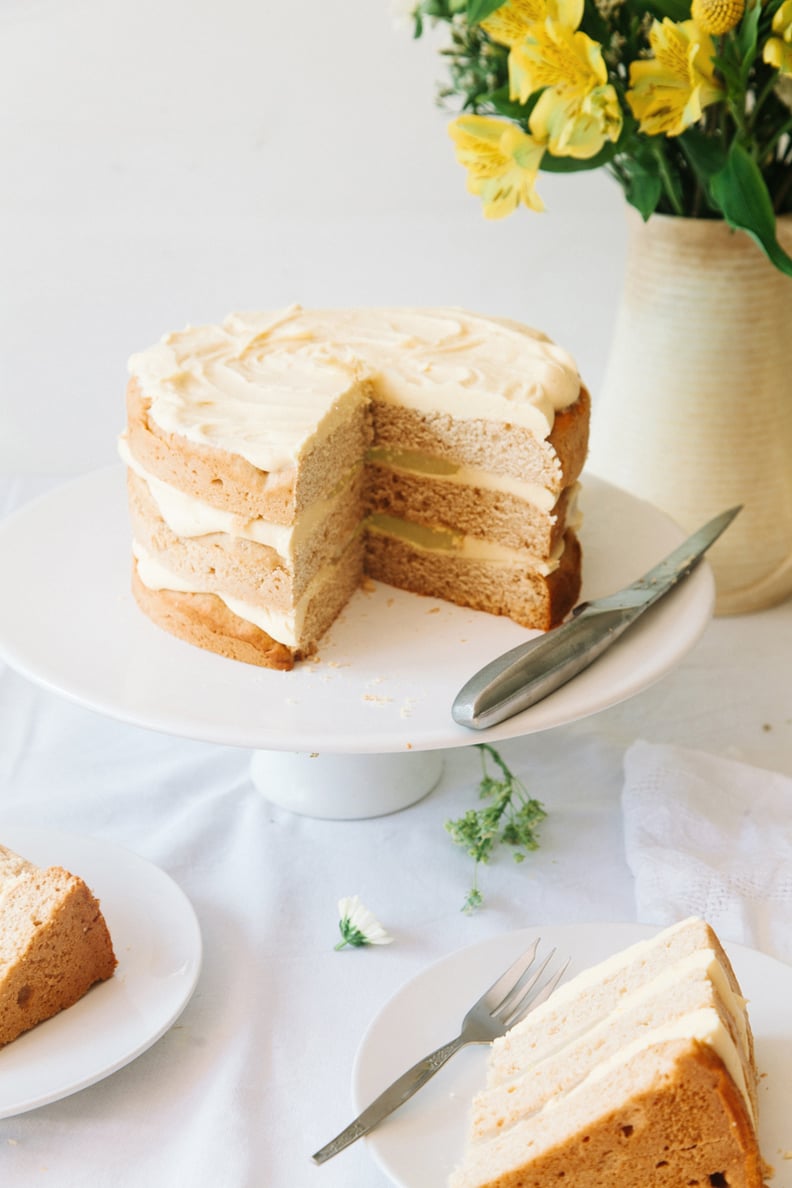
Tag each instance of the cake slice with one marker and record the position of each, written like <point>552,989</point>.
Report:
<point>639,1071</point>
<point>54,943</point>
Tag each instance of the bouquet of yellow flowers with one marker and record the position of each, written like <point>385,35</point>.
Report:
<point>688,106</point>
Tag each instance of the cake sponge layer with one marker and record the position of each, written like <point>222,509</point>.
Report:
<point>522,593</point>
<point>209,622</point>
<point>668,1116</point>
<point>222,563</point>
<point>231,483</point>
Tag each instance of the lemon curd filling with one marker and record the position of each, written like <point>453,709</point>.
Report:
<point>433,539</point>
<point>414,462</point>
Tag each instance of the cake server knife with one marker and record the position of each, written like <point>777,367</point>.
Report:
<point>526,674</point>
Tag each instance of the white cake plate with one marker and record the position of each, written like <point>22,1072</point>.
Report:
<point>356,732</point>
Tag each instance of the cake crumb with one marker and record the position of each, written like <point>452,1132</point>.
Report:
<point>434,610</point>
<point>377,700</point>
<point>367,586</point>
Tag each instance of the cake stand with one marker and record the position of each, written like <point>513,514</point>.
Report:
<point>360,730</point>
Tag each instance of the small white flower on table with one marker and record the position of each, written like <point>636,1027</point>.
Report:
<point>358,926</point>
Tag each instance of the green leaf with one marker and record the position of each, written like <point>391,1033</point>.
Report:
<point>706,156</point>
<point>741,194</point>
<point>510,818</point>
<point>479,10</point>
<point>748,37</point>
<point>578,164</point>
<point>506,106</point>
<point>677,10</point>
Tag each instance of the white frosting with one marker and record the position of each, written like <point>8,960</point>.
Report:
<point>703,1025</point>
<point>286,628</point>
<point>264,385</point>
<point>189,517</point>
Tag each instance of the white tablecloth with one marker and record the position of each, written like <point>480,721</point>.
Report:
<point>256,1075</point>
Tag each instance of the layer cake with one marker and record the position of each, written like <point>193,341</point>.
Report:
<point>275,459</point>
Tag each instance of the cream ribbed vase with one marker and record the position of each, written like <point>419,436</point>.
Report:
<point>695,413</point>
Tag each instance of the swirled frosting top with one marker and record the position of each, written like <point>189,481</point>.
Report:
<point>262,385</point>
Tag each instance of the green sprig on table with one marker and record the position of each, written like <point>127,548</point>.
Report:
<point>510,817</point>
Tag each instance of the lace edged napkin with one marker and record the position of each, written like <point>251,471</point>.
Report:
<point>710,837</point>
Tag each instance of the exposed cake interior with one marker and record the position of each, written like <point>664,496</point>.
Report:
<point>275,459</point>
<point>638,1071</point>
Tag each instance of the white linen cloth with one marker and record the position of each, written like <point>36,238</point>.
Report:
<point>710,837</point>
<point>256,1073</point>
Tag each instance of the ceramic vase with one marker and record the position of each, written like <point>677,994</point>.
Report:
<point>695,412</point>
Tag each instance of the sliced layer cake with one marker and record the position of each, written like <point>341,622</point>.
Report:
<point>638,1071</point>
<point>276,458</point>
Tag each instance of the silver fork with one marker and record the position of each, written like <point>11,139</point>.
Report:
<point>507,1001</point>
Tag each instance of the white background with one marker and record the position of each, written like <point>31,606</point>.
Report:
<point>167,161</point>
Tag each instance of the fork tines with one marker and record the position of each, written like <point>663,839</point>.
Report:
<point>511,996</point>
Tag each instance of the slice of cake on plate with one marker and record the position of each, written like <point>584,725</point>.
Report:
<point>275,459</point>
<point>54,943</point>
<point>637,1072</point>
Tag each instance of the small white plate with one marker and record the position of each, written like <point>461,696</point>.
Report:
<point>158,945</point>
<point>418,1146</point>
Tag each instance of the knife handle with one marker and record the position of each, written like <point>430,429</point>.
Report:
<point>526,674</point>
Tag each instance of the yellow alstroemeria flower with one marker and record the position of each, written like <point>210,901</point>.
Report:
<point>555,55</point>
<point>778,50</point>
<point>502,163</point>
<point>575,126</point>
<point>513,21</point>
<point>669,91</point>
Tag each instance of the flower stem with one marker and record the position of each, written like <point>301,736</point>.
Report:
<point>668,181</point>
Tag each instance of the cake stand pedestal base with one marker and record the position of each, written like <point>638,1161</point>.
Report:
<point>345,787</point>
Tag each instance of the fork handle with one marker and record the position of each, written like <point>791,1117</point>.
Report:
<point>390,1099</point>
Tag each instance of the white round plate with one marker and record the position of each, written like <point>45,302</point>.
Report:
<point>157,941</point>
<point>418,1146</point>
<point>387,672</point>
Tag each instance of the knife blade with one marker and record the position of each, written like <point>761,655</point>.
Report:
<point>526,674</point>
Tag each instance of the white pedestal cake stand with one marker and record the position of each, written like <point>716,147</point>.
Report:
<point>360,730</point>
